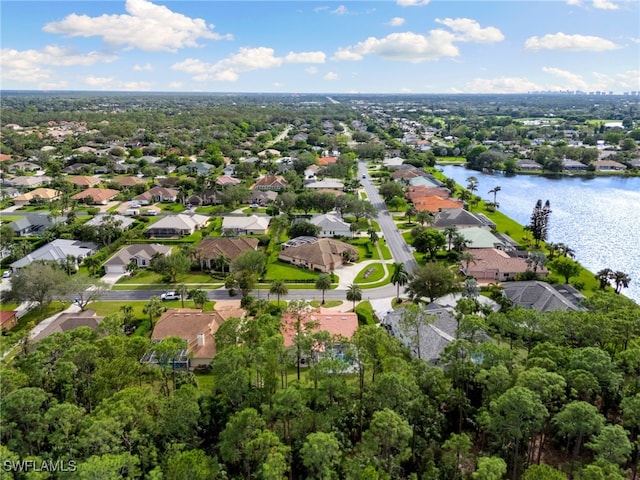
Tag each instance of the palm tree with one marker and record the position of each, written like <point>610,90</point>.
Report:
<point>450,233</point>
<point>92,264</point>
<point>621,280</point>
<point>411,212</point>
<point>467,258</point>
<point>278,288</point>
<point>199,298</point>
<point>373,235</point>
<point>399,277</point>
<point>603,276</point>
<point>153,308</point>
<point>323,283</point>
<point>183,291</point>
<point>354,294</point>
<point>424,216</point>
<point>472,184</point>
<point>221,262</point>
<point>495,191</point>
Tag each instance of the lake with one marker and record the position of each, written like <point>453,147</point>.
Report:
<point>599,218</point>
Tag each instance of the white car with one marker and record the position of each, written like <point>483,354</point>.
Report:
<point>170,296</point>
<point>6,274</point>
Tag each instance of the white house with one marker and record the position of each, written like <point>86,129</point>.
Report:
<point>251,225</point>
<point>140,253</point>
<point>331,225</point>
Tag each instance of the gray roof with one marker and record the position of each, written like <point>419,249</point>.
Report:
<point>38,221</point>
<point>123,222</point>
<point>455,216</point>
<point>143,250</point>
<point>542,296</point>
<point>57,250</point>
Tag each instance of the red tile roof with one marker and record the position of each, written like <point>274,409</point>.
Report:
<point>435,204</point>
<point>342,324</point>
<point>326,160</point>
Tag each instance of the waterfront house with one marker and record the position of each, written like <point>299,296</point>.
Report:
<point>542,296</point>
<point>493,265</point>
<point>609,166</point>
<point>573,165</point>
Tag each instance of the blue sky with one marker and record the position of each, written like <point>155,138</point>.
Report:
<point>402,46</point>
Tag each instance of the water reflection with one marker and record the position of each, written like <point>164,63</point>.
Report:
<point>599,218</point>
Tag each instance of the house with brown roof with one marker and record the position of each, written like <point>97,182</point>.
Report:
<point>226,180</point>
<point>128,181</point>
<point>141,254</point>
<point>271,182</point>
<point>196,327</point>
<point>609,166</point>
<point>324,161</point>
<point>5,157</point>
<point>96,196</point>
<point>212,248</point>
<point>39,194</point>
<point>493,265</point>
<point>83,181</point>
<point>158,194</point>
<point>325,254</point>
<point>8,319</point>
<point>340,325</point>
<point>69,321</point>
<point>208,197</point>
<point>435,203</point>
<point>425,191</point>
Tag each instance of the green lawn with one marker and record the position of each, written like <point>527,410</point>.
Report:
<point>376,273</point>
<point>384,250</point>
<point>278,270</point>
<point>327,303</point>
<point>360,247</point>
<point>28,321</point>
<point>149,277</point>
<point>171,207</point>
<point>363,195</point>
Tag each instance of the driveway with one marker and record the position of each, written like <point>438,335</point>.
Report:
<point>401,252</point>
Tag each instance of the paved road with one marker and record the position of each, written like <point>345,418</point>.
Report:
<point>400,251</point>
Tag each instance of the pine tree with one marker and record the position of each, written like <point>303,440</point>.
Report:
<point>540,221</point>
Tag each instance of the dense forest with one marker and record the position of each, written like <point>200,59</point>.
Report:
<point>556,395</point>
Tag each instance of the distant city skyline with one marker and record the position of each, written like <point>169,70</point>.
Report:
<point>406,46</point>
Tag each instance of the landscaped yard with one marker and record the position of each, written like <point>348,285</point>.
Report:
<point>370,273</point>
<point>278,270</point>
<point>360,245</point>
<point>149,277</point>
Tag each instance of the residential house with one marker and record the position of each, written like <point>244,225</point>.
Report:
<point>83,181</point>
<point>26,182</point>
<point>196,327</point>
<point>481,237</point>
<point>8,319</point>
<point>58,250</point>
<point>437,329</point>
<point>331,225</point>
<point>609,166</point>
<point>39,194</point>
<point>24,166</point>
<point>542,296</point>
<point>271,182</point>
<point>127,182</point>
<point>426,191</point>
<point>69,321</point>
<point>197,168</point>
<point>208,197</point>
<point>157,194</point>
<point>311,171</point>
<point>325,254</point>
<point>324,161</point>
<point>9,192</point>
<point>325,183</point>
<point>573,165</point>
<point>120,221</point>
<point>262,197</point>
<point>421,181</point>
<point>176,226</point>
<point>141,254</point>
<point>34,224</point>
<point>493,265</point>
<point>5,157</point>
<point>226,180</point>
<point>435,203</point>
<point>340,325</point>
<point>528,164</point>
<point>210,249</point>
<point>96,196</point>
<point>393,162</point>
<point>245,225</point>
<point>455,217</point>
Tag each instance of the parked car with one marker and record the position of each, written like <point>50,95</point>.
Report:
<point>6,274</point>
<point>170,296</point>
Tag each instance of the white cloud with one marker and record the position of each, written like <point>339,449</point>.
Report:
<point>406,90</point>
<point>305,57</point>
<point>176,85</point>
<point>501,85</point>
<point>604,5</point>
<point>311,70</point>
<point>467,30</point>
<point>136,86</point>
<point>396,21</point>
<point>143,68</point>
<point>405,46</point>
<point>245,60</point>
<point>413,3</point>
<point>574,81</point>
<point>34,66</point>
<point>331,76</point>
<point>146,26</point>
<point>574,2</point>
<point>341,10</point>
<point>574,43</point>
